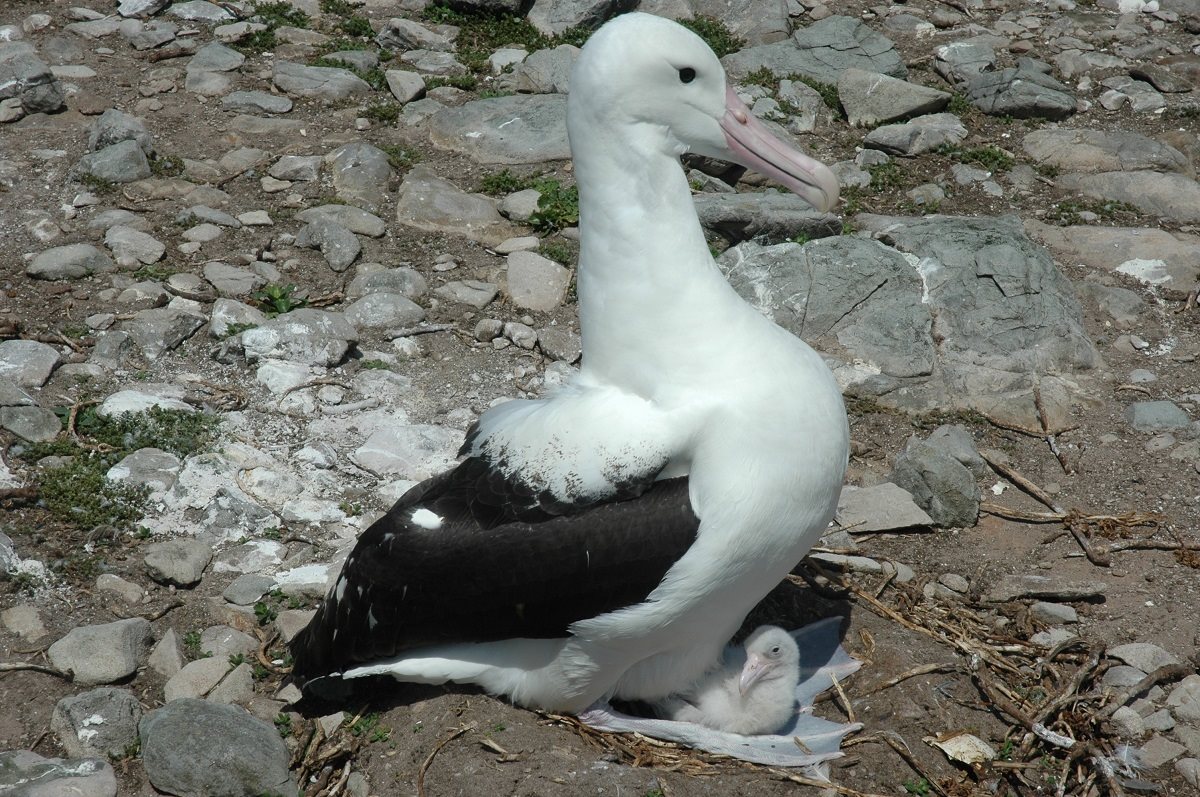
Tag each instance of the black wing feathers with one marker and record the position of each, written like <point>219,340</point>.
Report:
<point>506,562</point>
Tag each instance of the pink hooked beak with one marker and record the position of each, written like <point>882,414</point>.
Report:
<point>752,672</point>
<point>756,148</point>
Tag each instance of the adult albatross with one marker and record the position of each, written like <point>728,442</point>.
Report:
<point>609,540</point>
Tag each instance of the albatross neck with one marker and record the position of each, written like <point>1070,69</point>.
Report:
<point>647,284</point>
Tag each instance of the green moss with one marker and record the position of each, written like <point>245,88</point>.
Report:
<point>277,14</point>
<point>885,176</point>
<point>96,184</point>
<point>78,492</point>
<point>716,35</point>
<point>467,82</point>
<point>482,33</point>
<point>1070,212</point>
<point>166,166</point>
<point>383,111</point>
<point>989,157</point>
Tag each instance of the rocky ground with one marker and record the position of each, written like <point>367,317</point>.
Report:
<point>305,243</point>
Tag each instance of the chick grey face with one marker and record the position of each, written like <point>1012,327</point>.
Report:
<point>771,653</point>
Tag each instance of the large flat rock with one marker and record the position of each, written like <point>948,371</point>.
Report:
<point>521,128</point>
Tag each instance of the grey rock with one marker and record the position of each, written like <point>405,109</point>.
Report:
<point>215,57</point>
<point>405,281</point>
<point>72,261</point>
<point>1124,91</point>
<point>202,214</point>
<point>433,62</point>
<point>328,83</point>
<point>1186,691</point>
<point>309,336</point>
<point>196,679</point>
<point>164,396</point>
<point>200,11</point>
<point>150,35</point>
<point>125,590</point>
<point>870,98</point>
<point>427,202</point>
<point>475,293</point>
<point>1088,150</point>
<point>246,589</point>
<point>102,654</point>
<point>822,51</point>
<point>1172,196</point>
<point>130,245</point>
<point>923,134</point>
<point>1154,416</point>
<point>1053,613</point>
<point>149,467</point>
<point>383,310</point>
<point>546,71</point>
<point>1012,587</point>
<point>1159,721</point>
<point>1162,78</point>
<point>754,21</point>
<point>256,102</point>
<point>253,758</point>
<point>535,282</point>
<point>883,507</point>
<point>123,162</point>
<point>296,167</point>
<point>957,442</point>
<point>25,621</point>
<point>1020,93</point>
<point>35,424</point>
<point>179,562</point>
<point>228,312</point>
<point>28,363</point>
<point>766,217</point>
<point>510,130</point>
<point>339,246</point>
<point>408,452</point>
<point>1189,770</point>
<point>222,641</point>
<point>231,280</point>
<point>360,174</point>
<point>236,687</point>
<point>1144,656</point>
<point>27,774</point>
<point>404,34</point>
<point>959,62</point>
<point>141,8</point>
<point>101,723</point>
<point>1123,306</point>
<point>113,127</point>
<point>143,295</point>
<point>10,394</point>
<point>404,85</point>
<point>939,484</point>
<point>291,622</point>
<point>521,334</point>
<point>1128,723</point>
<point>552,17</point>
<point>1159,751</point>
<point>520,205</point>
<point>1114,248</point>
<point>358,60</point>
<point>561,344</point>
<point>159,330</point>
<point>27,78</point>
<point>112,349</point>
<point>356,220</point>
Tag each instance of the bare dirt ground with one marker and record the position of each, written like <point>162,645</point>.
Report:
<point>456,741</point>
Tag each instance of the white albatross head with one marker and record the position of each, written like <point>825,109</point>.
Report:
<point>771,653</point>
<point>647,73</point>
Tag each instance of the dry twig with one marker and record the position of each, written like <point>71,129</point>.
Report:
<point>429,758</point>
<point>19,666</point>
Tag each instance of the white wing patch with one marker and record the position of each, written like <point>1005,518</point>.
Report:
<point>427,519</point>
<point>585,442</point>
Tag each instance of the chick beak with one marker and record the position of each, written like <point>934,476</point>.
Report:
<point>752,672</point>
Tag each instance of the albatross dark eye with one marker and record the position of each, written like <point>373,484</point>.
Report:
<point>687,75</point>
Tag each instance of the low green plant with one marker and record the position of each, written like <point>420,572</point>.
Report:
<point>503,182</point>
<point>828,91</point>
<point>466,82</point>
<point>265,612</point>
<point>959,105</point>
<point>166,166</point>
<point>715,34</point>
<point>275,299</point>
<point>989,157</point>
<point>368,725</point>
<point>237,659</point>
<point>340,8</point>
<point>400,157</point>
<point>918,788</point>
<point>382,111</point>
<point>558,207</point>
<point>278,13</point>
<point>356,26</point>
<point>283,724</point>
<point>191,644</point>
<point>885,176</point>
<point>96,184</point>
<point>1070,212</point>
<point>374,365</point>
<point>559,250</point>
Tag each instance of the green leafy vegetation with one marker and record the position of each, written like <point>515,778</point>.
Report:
<point>885,176</point>
<point>716,35</point>
<point>482,33</point>
<point>191,644</point>
<point>959,105</point>
<point>769,80</point>
<point>399,157</point>
<point>991,158</point>
<point>563,251</point>
<point>503,182</point>
<point>1070,212</point>
<point>283,724</point>
<point>558,207</point>
<point>275,299</point>
<point>368,725</point>
<point>375,78</point>
<point>78,490</point>
<point>274,15</point>
<point>918,788</point>
<point>166,166</point>
<point>384,111</point>
<point>265,612</point>
<point>467,82</point>
<point>97,185</point>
